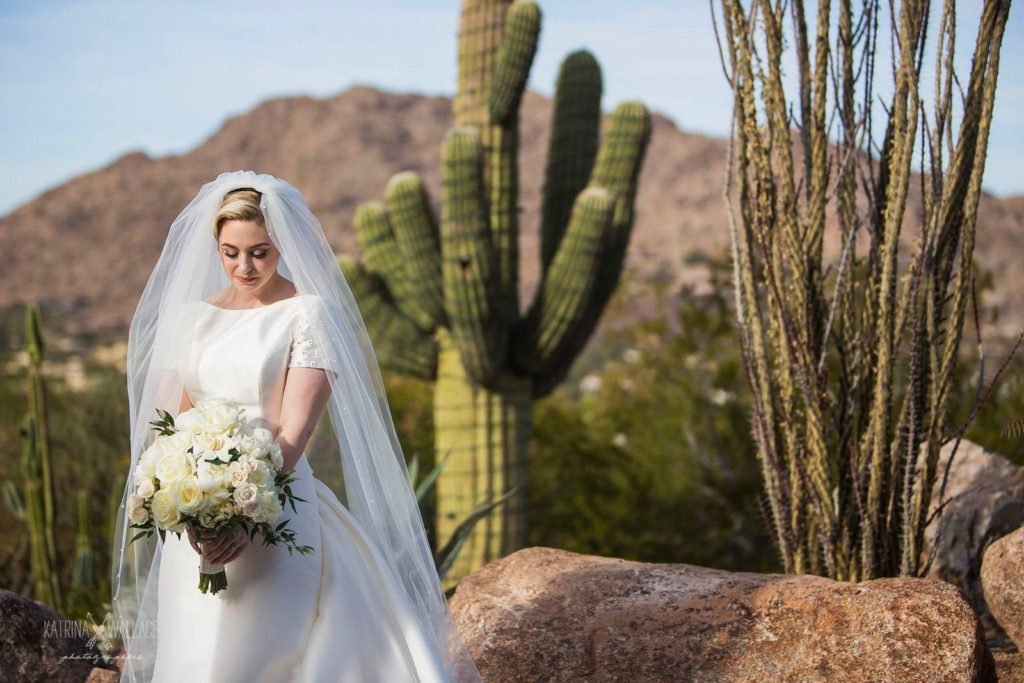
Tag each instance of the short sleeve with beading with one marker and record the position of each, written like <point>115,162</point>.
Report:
<point>304,351</point>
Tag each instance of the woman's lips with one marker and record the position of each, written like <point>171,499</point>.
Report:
<point>247,280</point>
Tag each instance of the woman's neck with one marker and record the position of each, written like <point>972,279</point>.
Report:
<point>278,288</point>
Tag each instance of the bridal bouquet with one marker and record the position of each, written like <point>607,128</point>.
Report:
<point>212,469</point>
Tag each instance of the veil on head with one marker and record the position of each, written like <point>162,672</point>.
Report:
<point>376,488</point>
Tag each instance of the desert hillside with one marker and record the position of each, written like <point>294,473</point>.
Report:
<point>88,245</point>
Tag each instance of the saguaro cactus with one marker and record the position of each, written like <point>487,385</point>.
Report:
<point>440,297</point>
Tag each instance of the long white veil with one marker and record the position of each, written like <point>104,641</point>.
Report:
<point>376,488</point>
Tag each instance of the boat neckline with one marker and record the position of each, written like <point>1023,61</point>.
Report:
<point>254,308</point>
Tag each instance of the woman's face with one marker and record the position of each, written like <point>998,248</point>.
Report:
<point>248,256</point>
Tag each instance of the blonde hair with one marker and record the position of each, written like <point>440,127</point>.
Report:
<point>242,204</point>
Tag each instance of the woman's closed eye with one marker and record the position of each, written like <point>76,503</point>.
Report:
<point>254,254</point>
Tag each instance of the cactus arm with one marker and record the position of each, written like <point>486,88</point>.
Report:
<point>468,261</point>
<point>617,169</point>
<point>572,147</point>
<point>381,255</point>
<point>514,59</point>
<point>419,246</point>
<point>398,342</point>
<point>567,286</point>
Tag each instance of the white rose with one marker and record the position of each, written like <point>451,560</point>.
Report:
<point>139,515</point>
<point>136,510</point>
<point>174,467</point>
<point>188,496</point>
<point>165,509</point>
<point>146,488</point>
<point>246,493</point>
<point>248,463</point>
<point>237,474</point>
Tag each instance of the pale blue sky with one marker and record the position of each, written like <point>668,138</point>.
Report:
<point>84,81</point>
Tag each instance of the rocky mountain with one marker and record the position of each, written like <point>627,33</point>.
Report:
<point>89,244</point>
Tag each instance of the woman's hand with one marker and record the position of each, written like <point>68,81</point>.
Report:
<point>218,547</point>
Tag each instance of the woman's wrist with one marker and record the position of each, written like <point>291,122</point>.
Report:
<point>289,454</point>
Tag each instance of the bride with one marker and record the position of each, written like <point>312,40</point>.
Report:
<point>247,302</point>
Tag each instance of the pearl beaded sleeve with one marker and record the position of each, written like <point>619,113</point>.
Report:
<point>304,351</point>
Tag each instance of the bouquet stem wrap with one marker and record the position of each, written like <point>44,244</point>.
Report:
<point>212,578</point>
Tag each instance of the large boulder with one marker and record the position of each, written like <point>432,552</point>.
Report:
<point>984,499</point>
<point>542,614</point>
<point>40,644</point>
<point>1002,577</point>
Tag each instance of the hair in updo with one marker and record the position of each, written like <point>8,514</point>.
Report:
<point>242,204</point>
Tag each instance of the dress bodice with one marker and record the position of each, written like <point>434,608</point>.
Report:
<point>244,354</point>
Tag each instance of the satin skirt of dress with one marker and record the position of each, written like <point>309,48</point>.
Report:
<point>336,615</point>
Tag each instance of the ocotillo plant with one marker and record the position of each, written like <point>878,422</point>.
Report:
<point>83,576</point>
<point>851,367</point>
<point>37,472</point>
<point>440,297</point>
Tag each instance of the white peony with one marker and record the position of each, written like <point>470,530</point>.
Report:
<point>211,477</point>
<point>245,444</point>
<point>219,513</point>
<point>188,421</point>
<point>146,466</point>
<point>269,508</point>
<point>276,457</point>
<point>219,415</point>
<point>261,475</point>
<point>263,440</point>
<point>143,472</point>
<point>179,441</point>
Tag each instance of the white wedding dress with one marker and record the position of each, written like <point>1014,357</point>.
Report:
<point>336,615</point>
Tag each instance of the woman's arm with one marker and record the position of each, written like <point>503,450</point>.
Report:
<point>306,391</point>
<point>186,402</point>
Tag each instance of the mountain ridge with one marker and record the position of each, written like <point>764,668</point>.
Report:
<point>90,243</point>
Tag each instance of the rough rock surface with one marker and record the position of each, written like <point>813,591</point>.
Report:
<point>98,675</point>
<point>986,494</point>
<point>38,643</point>
<point>542,614</point>
<point>1002,577</point>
